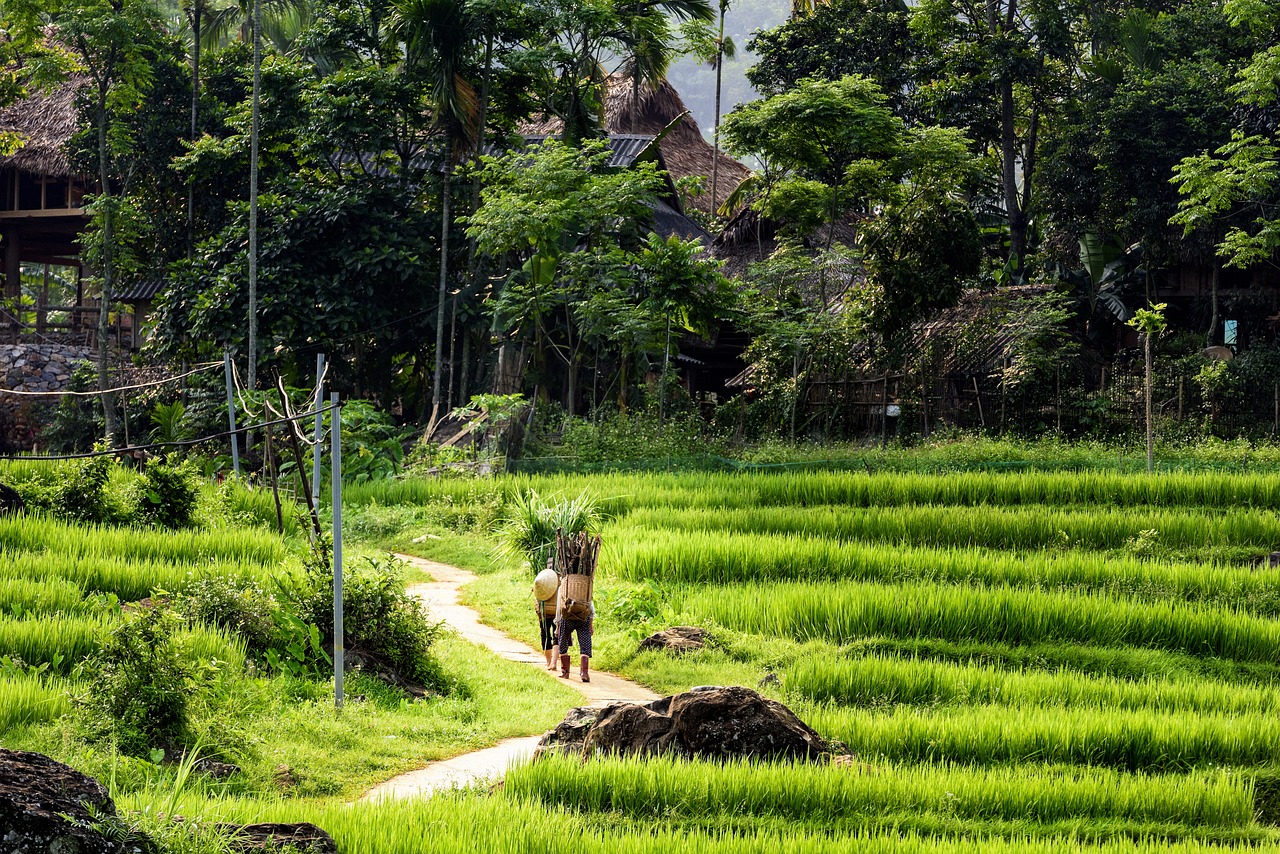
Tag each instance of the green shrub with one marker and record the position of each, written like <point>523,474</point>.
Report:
<point>379,618</point>
<point>239,606</point>
<point>169,494</point>
<point>138,686</point>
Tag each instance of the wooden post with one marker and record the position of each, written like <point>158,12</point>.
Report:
<point>1181,380</point>
<point>1276,423</point>
<point>275,483</point>
<point>924,403</point>
<point>978,396</point>
<point>1102,389</point>
<point>884,412</point>
<point>1057,394</point>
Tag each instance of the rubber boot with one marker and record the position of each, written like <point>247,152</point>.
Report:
<point>551,665</point>
<point>564,666</point>
<point>586,677</point>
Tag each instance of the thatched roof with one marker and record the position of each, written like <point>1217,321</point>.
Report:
<point>684,151</point>
<point>47,120</point>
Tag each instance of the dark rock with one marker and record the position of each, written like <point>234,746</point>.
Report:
<point>11,502</point>
<point>1270,561</point>
<point>49,808</point>
<point>215,769</point>
<point>569,734</point>
<point>712,722</point>
<point>364,662</point>
<point>302,836</point>
<point>676,639</point>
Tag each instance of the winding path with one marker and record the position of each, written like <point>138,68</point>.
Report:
<point>441,597</point>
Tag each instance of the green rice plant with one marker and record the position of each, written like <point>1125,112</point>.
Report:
<point>28,699</point>
<point>651,786</point>
<point>711,557</point>
<point>61,642</point>
<point>130,580</point>
<point>846,611</point>
<point>34,533</point>
<point>990,527</point>
<point>1134,740</point>
<point>533,521</point>
<point>878,680</point>
<point>19,596</point>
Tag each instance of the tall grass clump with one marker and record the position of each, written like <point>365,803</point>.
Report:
<point>130,580</point>
<point>459,824</point>
<point>35,533</point>
<point>529,531</point>
<point>846,611</point>
<point>20,596</point>
<point>28,699</point>
<point>61,642</point>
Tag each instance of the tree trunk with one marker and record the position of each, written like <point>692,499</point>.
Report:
<point>1213,303</point>
<point>444,279</point>
<point>715,134</point>
<point>196,10</point>
<point>109,416</point>
<point>1009,173</point>
<point>255,118</point>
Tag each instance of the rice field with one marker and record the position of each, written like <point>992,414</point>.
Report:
<point>1010,658</point>
<point>1026,661</point>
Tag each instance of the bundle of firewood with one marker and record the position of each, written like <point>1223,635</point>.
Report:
<point>577,554</point>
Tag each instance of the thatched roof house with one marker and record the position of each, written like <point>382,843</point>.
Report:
<point>684,150</point>
<point>46,121</point>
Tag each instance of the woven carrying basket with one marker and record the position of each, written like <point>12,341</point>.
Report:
<point>575,596</point>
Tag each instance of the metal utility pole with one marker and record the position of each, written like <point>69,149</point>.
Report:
<point>335,462</point>
<point>253,195</point>
<point>231,414</point>
<point>316,450</point>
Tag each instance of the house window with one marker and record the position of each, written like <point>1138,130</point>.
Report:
<point>1229,333</point>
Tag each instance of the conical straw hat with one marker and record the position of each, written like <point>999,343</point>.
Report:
<point>546,584</point>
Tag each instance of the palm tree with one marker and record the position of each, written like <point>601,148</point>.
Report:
<point>438,41</point>
<point>649,42</point>
<point>725,49</point>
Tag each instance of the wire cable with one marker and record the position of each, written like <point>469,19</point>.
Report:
<point>133,449</point>
<point>100,392</point>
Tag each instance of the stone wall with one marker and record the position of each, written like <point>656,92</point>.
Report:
<point>32,367</point>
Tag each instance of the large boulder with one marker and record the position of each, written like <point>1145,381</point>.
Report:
<point>50,808</point>
<point>710,723</point>
<point>676,639</point>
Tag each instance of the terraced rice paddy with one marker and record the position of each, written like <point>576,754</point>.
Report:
<point>1018,662</point>
<point>1012,658</point>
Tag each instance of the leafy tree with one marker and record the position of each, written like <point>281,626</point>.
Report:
<point>871,38</point>
<point>113,42</point>
<point>1242,176</point>
<point>839,133</point>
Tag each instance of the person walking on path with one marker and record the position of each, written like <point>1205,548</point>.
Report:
<point>544,606</point>
<point>575,558</point>
<point>565,629</point>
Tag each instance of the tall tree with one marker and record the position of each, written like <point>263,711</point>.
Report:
<point>113,42</point>
<point>439,43</point>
